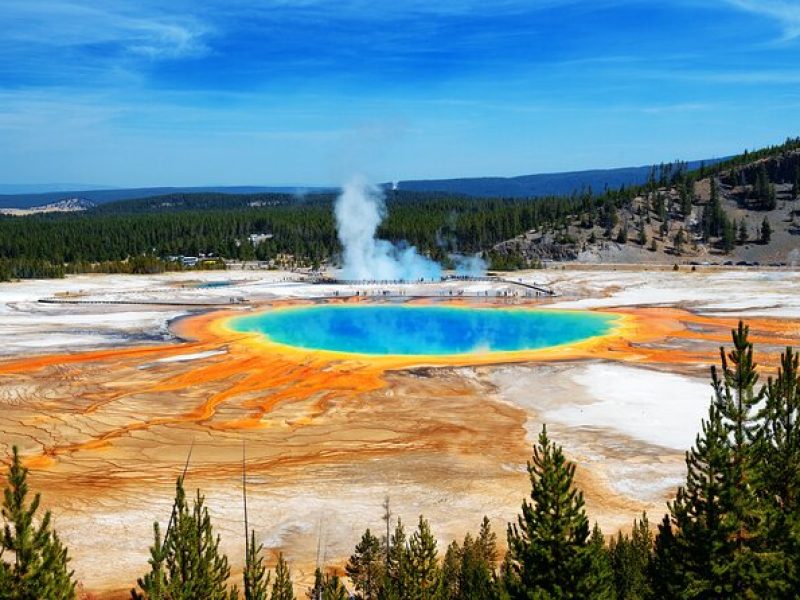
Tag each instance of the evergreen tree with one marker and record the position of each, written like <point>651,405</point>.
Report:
<point>255,576</point>
<point>700,542</point>
<point>796,183</point>
<point>487,542</point>
<point>642,238</point>
<point>364,567</point>
<point>665,580</point>
<point>282,589</point>
<point>333,588</point>
<point>315,592</point>
<point>424,573</point>
<point>630,559</point>
<point>451,572</point>
<point>189,563</point>
<point>713,218</point>
<point>601,566</point>
<point>779,464</point>
<point>476,572</point>
<point>468,569</point>
<point>686,192</point>
<point>678,241</point>
<point>766,231</point>
<point>743,235</point>
<point>396,581</point>
<point>39,567</point>
<point>722,549</point>
<point>622,234</point>
<point>154,583</point>
<point>728,235</point>
<point>327,587</point>
<point>547,547</point>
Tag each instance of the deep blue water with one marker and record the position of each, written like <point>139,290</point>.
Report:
<point>421,330</point>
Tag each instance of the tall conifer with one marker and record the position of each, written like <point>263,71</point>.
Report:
<point>39,565</point>
<point>779,464</point>
<point>365,567</point>
<point>256,576</point>
<point>396,580</point>
<point>425,575</point>
<point>547,547</point>
<point>282,589</point>
<point>720,521</point>
<point>188,564</point>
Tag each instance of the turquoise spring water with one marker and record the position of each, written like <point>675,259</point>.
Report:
<point>422,330</point>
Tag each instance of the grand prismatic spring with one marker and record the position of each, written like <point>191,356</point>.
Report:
<point>423,330</point>
<point>342,401</point>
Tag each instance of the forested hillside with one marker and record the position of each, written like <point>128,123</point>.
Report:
<point>743,209</point>
<point>303,231</point>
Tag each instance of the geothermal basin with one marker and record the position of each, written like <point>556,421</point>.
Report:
<point>437,408</point>
<point>423,330</point>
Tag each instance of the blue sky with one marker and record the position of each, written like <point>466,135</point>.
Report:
<point>218,92</point>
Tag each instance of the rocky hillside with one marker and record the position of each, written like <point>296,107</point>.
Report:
<point>66,205</point>
<point>746,210</point>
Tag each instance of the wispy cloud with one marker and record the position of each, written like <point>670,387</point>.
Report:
<point>785,12</point>
<point>153,33</point>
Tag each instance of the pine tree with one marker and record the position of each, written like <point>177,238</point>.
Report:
<point>315,592</point>
<point>154,583</point>
<point>743,235</point>
<point>664,577</point>
<point>728,235</point>
<point>364,567</point>
<point>256,577</point>
<point>189,563</point>
<point>547,547</point>
<point>425,575</point>
<point>487,542</point>
<point>333,588</point>
<point>700,542</point>
<point>642,238</point>
<point>40,561</point>
<point>282,589</point>
<point>327,587</point>
<point>713,214</point>
<point>779,464</point>
<point>761,188</point>
<point>396,580</point>
<point>601,566</point>
<point>622,234</point>
<point>687,195</point>
<point>476,572</point>
<point>766,231</point>
<point>451,572</point>
<point>721,543</point>
<point>630,559</point>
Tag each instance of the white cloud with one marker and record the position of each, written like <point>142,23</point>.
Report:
<point>785,12</point>
<point>63,24</point>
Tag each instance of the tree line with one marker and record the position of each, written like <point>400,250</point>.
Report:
<point>107,237</point>
<point>732,530</point>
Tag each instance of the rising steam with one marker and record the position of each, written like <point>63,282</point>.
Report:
<point>359,211</point>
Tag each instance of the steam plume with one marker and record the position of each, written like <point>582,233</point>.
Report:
<point>359,211</point>
<point>468,266</point>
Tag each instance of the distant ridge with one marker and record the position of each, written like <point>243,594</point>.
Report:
<point>523,186</point>
<point>30,200</point>
<point>545,184</point>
